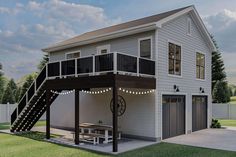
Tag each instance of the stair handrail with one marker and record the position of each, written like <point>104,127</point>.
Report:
<point>33,83</point>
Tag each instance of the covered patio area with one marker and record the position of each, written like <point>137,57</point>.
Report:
<point>103,138</point>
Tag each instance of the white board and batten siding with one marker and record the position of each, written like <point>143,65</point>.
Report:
<point>176,31</point>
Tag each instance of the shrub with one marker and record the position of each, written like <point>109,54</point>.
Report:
<point>215,123</point>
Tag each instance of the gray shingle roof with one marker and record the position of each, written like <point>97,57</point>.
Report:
<point>106,30</point>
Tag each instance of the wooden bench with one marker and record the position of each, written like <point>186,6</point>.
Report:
<point>89,137</point>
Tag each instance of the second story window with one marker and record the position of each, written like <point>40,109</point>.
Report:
<point>145,47</point>
<point>72,55</point>
<point>103,49</point>
<point>200,66</point>
<point>174,59</point>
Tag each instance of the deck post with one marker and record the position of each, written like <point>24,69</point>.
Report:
<point>115,118</point>
<point>47,114</point>
<point>77,116</point>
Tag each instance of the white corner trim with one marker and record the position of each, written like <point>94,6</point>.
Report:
<point>146,38</point>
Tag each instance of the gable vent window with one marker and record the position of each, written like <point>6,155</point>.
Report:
<point>174,59</point>
<point>189,26</point>
<point>72,55</point>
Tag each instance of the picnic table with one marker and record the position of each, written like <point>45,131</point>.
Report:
<point>98,129</point>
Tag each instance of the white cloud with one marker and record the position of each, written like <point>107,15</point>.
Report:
<point>4,10</point>
<point>47,22</point>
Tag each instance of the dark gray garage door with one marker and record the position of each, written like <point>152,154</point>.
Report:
<point>199,112</point>
<point>173,116</point>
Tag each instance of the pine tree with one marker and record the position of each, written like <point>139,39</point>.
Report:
<point>218,69</point>
<point>9,93</point>
<point>43,62</point>
<point>220,92</point>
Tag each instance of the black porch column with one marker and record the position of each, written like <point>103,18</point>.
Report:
<point>47,114</point>
<point>115,119</point>
<point>76,116</point>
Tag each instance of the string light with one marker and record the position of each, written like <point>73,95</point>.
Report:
<point>97,92</point>
<point>62,93</point>
<point>136,92</point>
<point>107,90</point>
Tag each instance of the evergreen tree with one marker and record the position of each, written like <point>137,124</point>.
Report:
<point>221,92</point>
<point>9,93</point>
<point>43,62</point>
<point>218,69</point>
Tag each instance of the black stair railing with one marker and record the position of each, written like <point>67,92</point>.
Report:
<point>29,94</point>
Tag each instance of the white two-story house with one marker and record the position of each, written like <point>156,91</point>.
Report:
<point>157,69</point>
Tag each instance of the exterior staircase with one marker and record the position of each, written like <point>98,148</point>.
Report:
<point>32,105</point>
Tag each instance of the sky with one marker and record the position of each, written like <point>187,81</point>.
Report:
<point>28,26</point>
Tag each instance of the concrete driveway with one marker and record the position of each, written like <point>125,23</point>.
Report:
<point>224,139</point>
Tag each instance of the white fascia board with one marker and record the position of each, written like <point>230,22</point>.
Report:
<point>120,33</point>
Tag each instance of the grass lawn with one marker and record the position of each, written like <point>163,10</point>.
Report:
<point>32,145</point>
<point>4,126</point>
<point>226,122</point>
<point>233,100</point>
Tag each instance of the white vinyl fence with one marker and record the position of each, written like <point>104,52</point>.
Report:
<point>6,111</point>
<point>223,111</point>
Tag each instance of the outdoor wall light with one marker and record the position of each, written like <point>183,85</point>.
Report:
<point>176,88</point>
<point>201,90</point>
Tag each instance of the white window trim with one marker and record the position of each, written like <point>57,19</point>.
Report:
<point>145,38</point>
<point>189,21</point>
<point>72,53</point>
<point>181,73</point>
<point>201,52</point>
<point>99,48</point>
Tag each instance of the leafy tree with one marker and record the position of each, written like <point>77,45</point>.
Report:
<point>43,61</point>
<point>9,93</point>
<point>18,94</point>
<point>218,69</point>
<point>221,92</point>
<point>2,88</point>
<point>29,80</point>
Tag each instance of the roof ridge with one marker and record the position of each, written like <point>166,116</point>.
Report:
<point>120,26</point>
